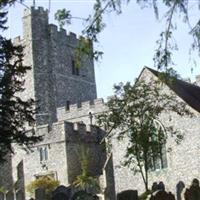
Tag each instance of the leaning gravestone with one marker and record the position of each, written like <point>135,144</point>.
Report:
<point>128,195</point>
<point>61,193</point>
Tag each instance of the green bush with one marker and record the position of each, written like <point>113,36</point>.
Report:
<point>144,195</point>
<point>44,182</point>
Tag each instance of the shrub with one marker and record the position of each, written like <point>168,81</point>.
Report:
<point>2,189</point>
<point>144,195</point>
<point>44,182</point>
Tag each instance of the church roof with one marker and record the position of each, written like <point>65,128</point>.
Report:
<point>190,93</point>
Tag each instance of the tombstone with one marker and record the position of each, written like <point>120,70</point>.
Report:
<point>128,195</point>
<point>162,195</point>
<point>179,189</point>
<point>40,194</point>
<point>154,187</point>
<point>61,193</point>
<point>193,193</point>
<point>1,196</point>
<point>83,195</point>
<point>171,196</point>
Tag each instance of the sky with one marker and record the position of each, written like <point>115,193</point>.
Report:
<point>128,41</point>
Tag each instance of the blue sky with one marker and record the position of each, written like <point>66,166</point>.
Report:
<point>128,41</point>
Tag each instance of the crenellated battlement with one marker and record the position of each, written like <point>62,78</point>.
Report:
<point>82,132</point>
<point>60,33</point>
<point>54,30</point>
<point>35,10</point>
<point>71,132</point>
<point>81,110</point>
<point>50,52</point>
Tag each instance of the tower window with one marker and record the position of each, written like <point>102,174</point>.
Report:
<point>75,69</point>
<point>20,170</point>
<point>67,105</point>
<point>43,154</point>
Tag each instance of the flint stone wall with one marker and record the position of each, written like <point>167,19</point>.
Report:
<point>50,53</point>
<point>183,162</point>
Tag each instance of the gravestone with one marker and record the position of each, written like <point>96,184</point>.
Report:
<point>40,194</point>
<point>162,195</point>
<point>83,195</point>
<point>61,193</point>
<point>128,195</point>
<point>179,189</point>
<point>193,193</point>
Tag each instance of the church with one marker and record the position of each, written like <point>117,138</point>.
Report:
<point>67,100</point>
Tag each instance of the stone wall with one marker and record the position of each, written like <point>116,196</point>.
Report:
<point>80,112</point>
<point>50,53</point>
<point>84,143</point>
<point>65,143</point>
<point>183,164</point>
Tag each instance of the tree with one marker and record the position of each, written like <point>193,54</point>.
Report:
<point>14,112</point>
<point>166,44</point>
<point>133,113</point>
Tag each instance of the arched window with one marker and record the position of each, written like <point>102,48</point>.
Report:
<point>75,69</point>
<point>43,154</point>
<point>159,159</point>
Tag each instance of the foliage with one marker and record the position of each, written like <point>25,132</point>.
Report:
<point>144,195</point>
<point>166,44</point>
<point>134,113</point>
<point>2,189</point>
<point>84,181</point>
<point>84,48</point>
<point>44,182</point>
<point>63,17</point>
<point>14,112</point>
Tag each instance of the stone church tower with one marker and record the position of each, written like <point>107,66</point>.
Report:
<point>61,91</point>
<point>66,99</point>
<point>54,80</point>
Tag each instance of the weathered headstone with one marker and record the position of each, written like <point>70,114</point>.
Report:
<point>128,195</point>
<point>179,189</point>
<point>40,194</point>
<point>82,195</point>
<point>61,193</point>
<point>193,193</point>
